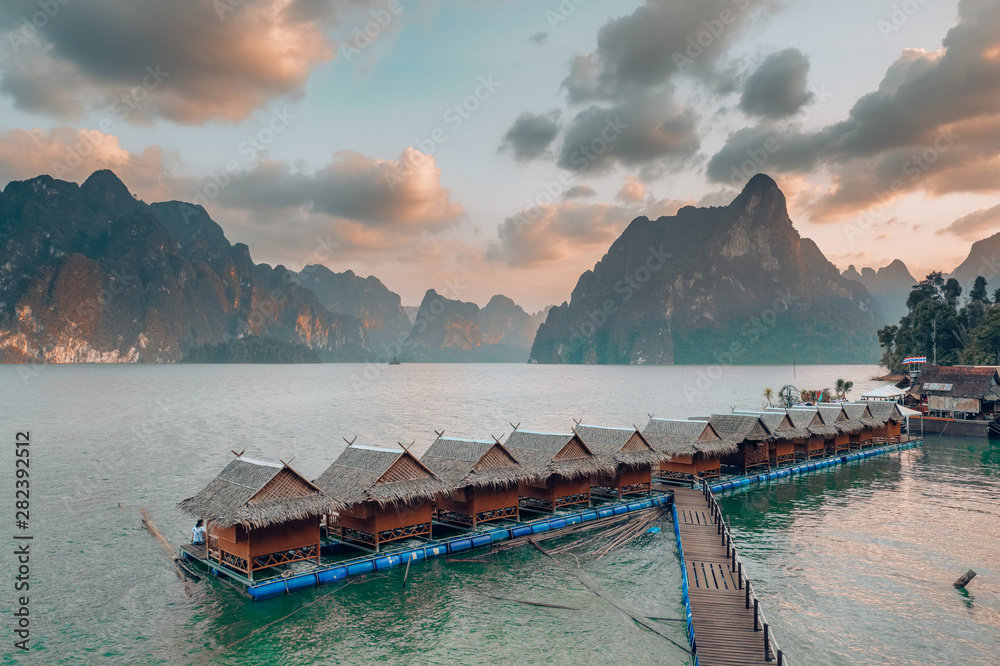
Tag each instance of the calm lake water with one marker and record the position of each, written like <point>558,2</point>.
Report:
<point>854,564</point>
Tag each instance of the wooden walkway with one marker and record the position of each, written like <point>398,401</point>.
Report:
<point>723,624</point>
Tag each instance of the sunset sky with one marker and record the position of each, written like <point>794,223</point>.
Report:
<point>414,151</point>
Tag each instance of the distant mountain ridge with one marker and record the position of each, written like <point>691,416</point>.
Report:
<point>88,273</point>
<point>718,285</point>
<point>453,330</point>
<point>889,286</point>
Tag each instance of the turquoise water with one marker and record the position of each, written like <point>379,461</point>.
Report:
<point>850,561</point>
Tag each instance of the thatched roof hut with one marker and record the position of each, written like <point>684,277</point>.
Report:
<point>836,416</point>
<point>778,424</point>
<point>474,462</point>
<point>859,411</point>
<point>740,427</point>
<point>563,454</point>
<point>811,419</point>
<point>625,447</point>
<point>884,411</point>
<point>676,437</point>
<point>388,477</point>
<point>258,494</point>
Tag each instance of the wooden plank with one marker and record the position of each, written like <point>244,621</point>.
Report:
<point>723,625</point>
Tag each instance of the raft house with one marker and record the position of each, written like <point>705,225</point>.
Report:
<point>484,477</point>
<point>386,495</point>
<point>258,515</point>
<point>788,443</point>
<point>750,437</point>
<point>627,452</point>
<point>379,504</point>
<point>561,466</point>
<point>834,415</point>
<point>693,449</point>
<point>958,400</point>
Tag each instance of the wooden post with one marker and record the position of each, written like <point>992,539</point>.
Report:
<point>740,578</point>
<point>756,614</point>
<point>767,642</point>
<point>781,658</point>
<point>748,588</point>
<point>965,579</point>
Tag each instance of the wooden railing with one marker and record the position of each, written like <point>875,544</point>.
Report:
<point>772,651</point>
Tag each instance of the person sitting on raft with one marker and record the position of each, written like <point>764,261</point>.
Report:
<point>198,533</point>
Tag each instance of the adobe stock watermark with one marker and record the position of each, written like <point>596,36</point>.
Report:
<point>711,31</point>
<point>123,106</point>
<point>249,149</point>
<point>361,37</point>
<point>28,30</point>
<point>899,16</point>
<point>914,168</point>
<point>454,117</point>
<point>563,11</point>
<point>750,334</point>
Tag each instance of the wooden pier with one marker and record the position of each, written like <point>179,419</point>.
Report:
<point>727,622</point>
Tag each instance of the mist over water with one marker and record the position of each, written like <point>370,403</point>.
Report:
<point>854,564</point>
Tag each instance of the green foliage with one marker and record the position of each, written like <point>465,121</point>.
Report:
<point>978,293</point>
<point>253,350</point>
<point>788,396</point>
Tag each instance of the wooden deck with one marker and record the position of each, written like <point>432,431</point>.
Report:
<point>723,625</point>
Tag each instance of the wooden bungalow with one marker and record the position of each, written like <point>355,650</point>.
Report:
<point>823,436</point>
<point>788,442</point>
<point>562,467</point>
<point>259,515</point>
<point>628,452</point>
<point>959,392</point>
<point>484,475</point>
<point>858,411</point>
<point>694,448</point>
<point>386,493</point>
<point>891,418</point>
<point>750,436</point>
<point>834,415</point>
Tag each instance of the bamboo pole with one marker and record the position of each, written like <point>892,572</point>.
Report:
<point>150,526</point>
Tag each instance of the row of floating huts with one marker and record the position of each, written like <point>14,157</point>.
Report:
<point>260,515</point>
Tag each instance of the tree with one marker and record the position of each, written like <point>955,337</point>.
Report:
<point>887,340</point>
<point>769,393</point>
<point>996,296</point>
<point>847,388</point>
<point>951,291</point>
<point>838,388</point>
<point>984,342</point>
<point>978,293</point>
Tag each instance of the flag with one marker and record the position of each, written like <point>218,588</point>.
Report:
<point>914,359</point>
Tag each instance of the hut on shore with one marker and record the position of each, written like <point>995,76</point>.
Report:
<point>628,452</point>
<point>858,411</point>
<point>787,440</point>
<point>694,449</point>
<point>561,466</point>
<point>386,493</point>
<point>750,436</point>
<point>891,418</point>
<point>958,392</point>
<point>834,415</point>
<point>259,515</point>
<point>484,476</point>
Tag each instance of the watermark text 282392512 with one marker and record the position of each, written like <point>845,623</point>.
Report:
<point>22,539</point>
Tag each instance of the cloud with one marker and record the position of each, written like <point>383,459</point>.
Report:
<point>400,196</point>
<point>73,154</point>
<point>637,132</point>
<point>933,125</point>
<point>976,225</point>
<point>579,192</point>
<point>531,135</point>
<point>216,60</point>
<point>632,191</point>
<point>660,39</point>
<point>553,232</point>
<point>778,88</point>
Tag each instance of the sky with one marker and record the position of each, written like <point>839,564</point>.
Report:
<point>499,146</point>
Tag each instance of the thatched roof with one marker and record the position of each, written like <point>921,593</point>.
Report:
<point>562,454</point>
<point>885,411</point>
<point>811,418</point>
<point>388,477</point>
<point>621,446</point>
<point>778,424</point>
<point>474,462</point>
<point>676,437</point>
<point>959,381</point>
<point>257,494</point>
<point>856,410</point>
<point>740,427</point>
